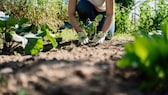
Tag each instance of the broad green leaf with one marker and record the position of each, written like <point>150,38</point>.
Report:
<point>44,27</point>
<point>12,21</point>
<point>142,48</point>
<point>162,47</point>
<point>125,62</point>
<point>24,29</point>
<point>47,34</point>
<point>23,21</point>
<point>90,28</point>
<point>51,39</point>
<point>2,24</point>
<point>34,46</point>
<point>164,28</point>
<point>42,34</point>
<point>31,35</point>
<point>160,72</point>
<point>129,48</point>
<point>98,18</point>
<point>129,60</point>
<point>22,91</point>
<point>19,38</point>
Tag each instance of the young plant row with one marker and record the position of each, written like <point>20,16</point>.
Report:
<point>15,33</point>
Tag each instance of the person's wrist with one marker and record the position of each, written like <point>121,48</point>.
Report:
<point>78,29</point>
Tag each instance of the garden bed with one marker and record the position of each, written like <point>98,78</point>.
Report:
<point>70,70</point>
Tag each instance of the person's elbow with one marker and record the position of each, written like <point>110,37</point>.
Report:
<point>110,15</point>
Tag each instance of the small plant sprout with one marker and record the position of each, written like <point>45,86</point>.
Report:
<point>91,26</point>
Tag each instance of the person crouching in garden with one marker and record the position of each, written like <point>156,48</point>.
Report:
<point>89,9</point>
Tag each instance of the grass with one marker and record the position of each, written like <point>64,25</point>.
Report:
<point>123,36</point>
<point>50,12</point>
<point>70,34</point>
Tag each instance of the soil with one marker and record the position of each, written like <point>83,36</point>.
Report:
<point>70,70</point>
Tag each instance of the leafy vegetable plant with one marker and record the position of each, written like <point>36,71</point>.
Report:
<point>15,32</point>
<point>90,27</point>
<point>149,54</point>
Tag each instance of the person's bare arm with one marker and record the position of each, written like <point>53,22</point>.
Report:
<point>72,15</point>
<point>110,10</point>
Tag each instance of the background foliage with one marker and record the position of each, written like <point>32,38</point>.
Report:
<point>122,20</point>
<point>51,12</point>
<point>125,3</point>
<point>148,53</point>
<point>16,31</point>
<point>151,17</point>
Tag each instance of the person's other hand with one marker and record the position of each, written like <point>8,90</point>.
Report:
<point>99,38</point>
<point>82,38</point>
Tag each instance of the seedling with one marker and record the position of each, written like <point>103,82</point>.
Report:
<point>90,27</point>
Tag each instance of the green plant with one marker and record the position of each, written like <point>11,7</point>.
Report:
<point>150,17</point>
<point>122,20</point>
<point>125,3</point>
<point>149,54</point>
<point>90,27</point>
<point>15,32</point>
<point>22,91</point>
<point>6,24</point>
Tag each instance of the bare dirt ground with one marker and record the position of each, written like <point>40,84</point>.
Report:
<point>69,70</point>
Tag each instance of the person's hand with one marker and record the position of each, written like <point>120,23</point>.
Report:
<point>82,38</point>
<point>99,38</point>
